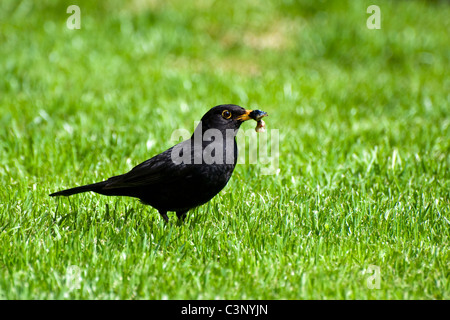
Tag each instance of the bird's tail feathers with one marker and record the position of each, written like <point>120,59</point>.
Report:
<point>89,187</point>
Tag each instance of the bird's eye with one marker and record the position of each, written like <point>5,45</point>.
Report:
<point>226,114</point>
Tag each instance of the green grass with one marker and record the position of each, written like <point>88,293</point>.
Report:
<point>364,123</point>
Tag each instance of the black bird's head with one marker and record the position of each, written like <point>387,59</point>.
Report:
<point>229,116</point>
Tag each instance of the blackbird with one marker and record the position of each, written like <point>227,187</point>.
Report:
<point>187,175</point>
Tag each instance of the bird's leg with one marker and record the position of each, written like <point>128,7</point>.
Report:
<point>164,215</point>
<point>182,215</point>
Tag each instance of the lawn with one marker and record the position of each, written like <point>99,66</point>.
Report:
<point>361,181</point>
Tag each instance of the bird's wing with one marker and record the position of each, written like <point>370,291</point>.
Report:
<point>159,169</point>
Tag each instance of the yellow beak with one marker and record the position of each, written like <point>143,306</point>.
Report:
<point>252,114</point>
<point>245,116</point>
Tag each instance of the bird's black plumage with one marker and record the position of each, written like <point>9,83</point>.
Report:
<point>187,175</point>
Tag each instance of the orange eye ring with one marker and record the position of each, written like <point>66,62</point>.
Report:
<point>226,114</point>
